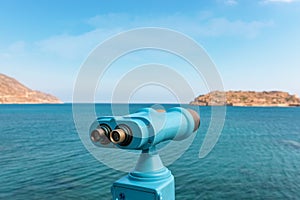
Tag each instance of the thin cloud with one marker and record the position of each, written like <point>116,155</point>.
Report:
<point>231,2</point>
<point>15,49</point>
<point>280,1</point>
<point>218,27</point>
<point>75,46</point>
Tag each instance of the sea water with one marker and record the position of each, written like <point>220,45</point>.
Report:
<point>257,156</point>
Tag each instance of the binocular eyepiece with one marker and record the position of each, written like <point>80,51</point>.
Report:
<point>100,135</point>
<point>145,128</point>
<point>104,135</point>
<point>121,135</point>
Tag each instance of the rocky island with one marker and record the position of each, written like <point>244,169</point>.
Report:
<point>247,98</point>
<point>13,92</point>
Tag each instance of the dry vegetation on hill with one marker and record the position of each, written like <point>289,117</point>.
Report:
<point>13,92</point>
<point>247,98</point>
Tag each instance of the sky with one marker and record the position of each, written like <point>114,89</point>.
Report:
<point>255,45</point>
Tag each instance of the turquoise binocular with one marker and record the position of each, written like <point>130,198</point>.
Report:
<point>143,130</point>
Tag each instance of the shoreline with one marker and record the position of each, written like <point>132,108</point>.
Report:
<point>175,103</point>
<point>248,99</point>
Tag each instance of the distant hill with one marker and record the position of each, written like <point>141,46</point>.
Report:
<point>13,92</point>
<point>247,98</point>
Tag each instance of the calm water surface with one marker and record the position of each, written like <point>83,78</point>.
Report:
<point>256,157</point>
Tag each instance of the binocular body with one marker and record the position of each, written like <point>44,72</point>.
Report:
<point>145,128</point>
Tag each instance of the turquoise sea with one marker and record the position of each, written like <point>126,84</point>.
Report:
<point>256,157</point>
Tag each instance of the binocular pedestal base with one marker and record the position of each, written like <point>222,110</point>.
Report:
<point>138,188</point>
<point>149,181</point>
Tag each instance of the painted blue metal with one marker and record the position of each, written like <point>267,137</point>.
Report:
<point>150,127</point>
<point>150,180</point>
<point>156,185</point>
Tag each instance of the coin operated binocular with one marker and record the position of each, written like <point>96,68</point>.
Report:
<point>143,130</point>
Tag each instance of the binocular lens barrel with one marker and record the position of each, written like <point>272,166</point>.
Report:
<point>117,136</point>
<point>100,135</point>
<point>97,134</point>
<point>196,118</point>
<point>121,135</point>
